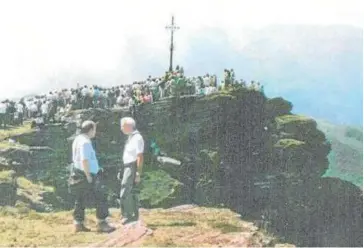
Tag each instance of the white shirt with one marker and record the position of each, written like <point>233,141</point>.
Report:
<point>44,108</point>
<point>39,120</point>
<point>67,94</point>
<point>206,81</point>
<point>19,108</point>
<point>85,91</point>
<point>133,146</point>
<point>131,102</point>
<point>136,86</point>
<point>119,100</point>
<point>3,108</point>
<point>33,107</point>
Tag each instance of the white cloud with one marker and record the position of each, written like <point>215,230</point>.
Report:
<point>39,39</point>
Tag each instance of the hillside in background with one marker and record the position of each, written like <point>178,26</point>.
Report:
<point>346,156</point>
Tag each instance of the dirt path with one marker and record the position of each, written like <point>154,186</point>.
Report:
<point>125,235</point>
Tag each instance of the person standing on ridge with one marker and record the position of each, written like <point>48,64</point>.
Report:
<point>133,164</point>
<point>85,180</point>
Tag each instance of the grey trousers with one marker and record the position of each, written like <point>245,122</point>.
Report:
<point>129,201</point>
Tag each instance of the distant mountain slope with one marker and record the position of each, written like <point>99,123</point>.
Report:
<point>346,157</point>
<point>317,68</point>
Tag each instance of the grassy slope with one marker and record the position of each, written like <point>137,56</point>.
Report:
<point>195,227</point>
<point>346,157</point>
<point>11,131</point>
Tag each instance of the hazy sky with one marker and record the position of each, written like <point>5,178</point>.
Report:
<point>41,39</point>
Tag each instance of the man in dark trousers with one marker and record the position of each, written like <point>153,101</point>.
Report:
<point>85,180</point>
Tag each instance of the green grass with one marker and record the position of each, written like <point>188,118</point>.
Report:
<point>194,227</point>
<point>5,176</point>
<point>33,187</point>
<point>6,145</point>
<point>157,186</point>
<point>289,143</point>
<point>13,131</point>
<point>286,119</point>
<point>35,229</point>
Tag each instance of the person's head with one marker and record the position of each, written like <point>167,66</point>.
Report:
<point>127,125</point>
<point>88,128</point>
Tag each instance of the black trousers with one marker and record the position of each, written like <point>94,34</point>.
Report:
<point>84,193</point>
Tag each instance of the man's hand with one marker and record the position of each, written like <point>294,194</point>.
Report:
<point>137,178</point>
<point>119,176</point>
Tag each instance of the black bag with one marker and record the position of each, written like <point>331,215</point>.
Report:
<point>76,176</point>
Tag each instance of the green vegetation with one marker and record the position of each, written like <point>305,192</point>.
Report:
<point>19,228</point>
<point>346,157</point>
<point>6,145</point>
<point>288,143</point>
<point>157,186</point>
<point>289,119</point>
<point>6,176</point>
<point>13,131</point>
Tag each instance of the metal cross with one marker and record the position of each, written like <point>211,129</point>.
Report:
<point>173,28</point>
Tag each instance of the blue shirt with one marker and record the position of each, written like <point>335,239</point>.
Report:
<point>82,150</point>
<point>96,93</point>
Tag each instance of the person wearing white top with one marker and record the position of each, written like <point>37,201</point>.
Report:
<point>86,180</point>
<point>119,100</point>
<point>3,107</point>
<point>206,81</point>
<point>133,164</point>
<point>33,109</point>
<point>85,95</point>
<point>44,109</point>
<point>85,91</point>
<point>19,113</point>
<point>74,98</point>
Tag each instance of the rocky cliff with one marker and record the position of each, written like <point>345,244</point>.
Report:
<point>238,150</point>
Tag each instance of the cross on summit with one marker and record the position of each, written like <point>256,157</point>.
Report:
<point>173,28</point>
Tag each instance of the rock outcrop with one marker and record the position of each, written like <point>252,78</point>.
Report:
<point>239,150</point>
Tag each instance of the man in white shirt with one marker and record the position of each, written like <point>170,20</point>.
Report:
<point>119,100</point>
<point>73,98</point>
<point>131,105</point>
<point>85,96</point>
<point>3,107</point>
<point>44,109</point>
<point>206,80</point>
<point>133,164</point>
<point>33,109</point>
<point>39,120</point>
<point>20,111</point>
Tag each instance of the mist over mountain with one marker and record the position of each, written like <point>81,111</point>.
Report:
<point>318,68</point>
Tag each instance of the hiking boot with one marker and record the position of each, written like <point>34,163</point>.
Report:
<point>126,221</point>
<point>105,227</point>
<point>81,228</point>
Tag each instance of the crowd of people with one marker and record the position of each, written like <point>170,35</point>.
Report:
<point>44,108</point>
